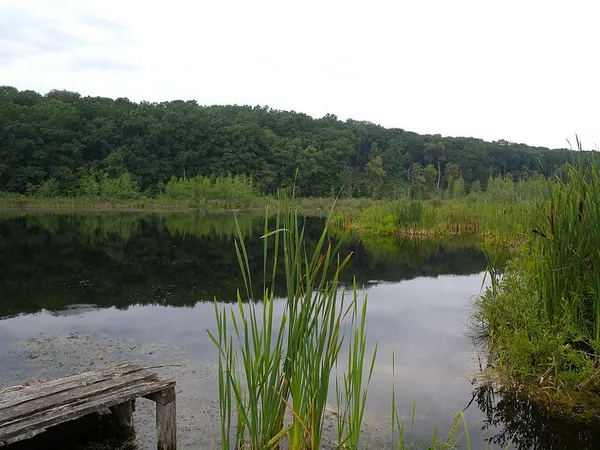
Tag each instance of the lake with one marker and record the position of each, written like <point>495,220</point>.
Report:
<point>78,290</point>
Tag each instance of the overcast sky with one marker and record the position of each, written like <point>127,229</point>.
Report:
<point>524,71</point>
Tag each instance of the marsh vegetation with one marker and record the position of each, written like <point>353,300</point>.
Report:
<point>542,319</point>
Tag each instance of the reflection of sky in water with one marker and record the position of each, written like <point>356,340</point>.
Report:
<point>423,320</point>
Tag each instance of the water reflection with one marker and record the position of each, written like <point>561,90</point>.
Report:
<point>116,259</point>
<point>421,320</point>
<point>525,424</point>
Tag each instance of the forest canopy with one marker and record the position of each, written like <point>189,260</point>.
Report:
<point>62,143</point>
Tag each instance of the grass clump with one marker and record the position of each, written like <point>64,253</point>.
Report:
<point>543,319</point>
<point>441,218</point>
<point>274,373</point>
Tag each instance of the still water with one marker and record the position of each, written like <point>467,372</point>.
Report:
<point>84,289</point>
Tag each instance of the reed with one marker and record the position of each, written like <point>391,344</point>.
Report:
<point>568,246</point>
<point>274,373</point>
<point>440,218</point>
<point>542,318</point>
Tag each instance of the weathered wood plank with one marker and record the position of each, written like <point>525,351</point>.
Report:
<point>166,423</point>
<point>162,397</point>
<point>67,396</point>
<point>12,398</point>
<point>124,417</point>
<point>80,408</point>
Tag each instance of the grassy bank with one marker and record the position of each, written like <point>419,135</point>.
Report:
<point>164,203</point>
<point>438,218</point>
<point>476,215</point>
<point>16,201</point>
<point>416,219</point>
<point>542,319</point>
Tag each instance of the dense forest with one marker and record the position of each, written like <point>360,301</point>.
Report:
<point>64,144</point>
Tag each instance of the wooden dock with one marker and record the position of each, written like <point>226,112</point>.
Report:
<point>29,411</point>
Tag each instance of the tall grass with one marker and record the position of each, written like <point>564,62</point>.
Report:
<point>274,376</point>
<point>568,269</point>
<point>436,218</point>
<point>542,319</point>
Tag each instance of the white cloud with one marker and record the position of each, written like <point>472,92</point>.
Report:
<point>521,71</point>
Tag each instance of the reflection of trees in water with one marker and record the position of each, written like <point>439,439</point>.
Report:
<point>97,227</point>
<point>221,224</point>
<point>116,259</point>
<point>120,259</point>
<point>395,259</point>
<point>530,425</point>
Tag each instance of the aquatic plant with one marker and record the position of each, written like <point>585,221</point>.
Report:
<point>274,375</point>
<point>568,246</point>
<point>543,319</point>
<point>436,218</point>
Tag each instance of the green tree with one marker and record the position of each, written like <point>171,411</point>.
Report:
<point>375,174</point>
<point>114,164</point>
<point>90,183</point>
<point>46,189</point>
<point>423,181</point>
<point>458,188</point>
<point>122,187</point>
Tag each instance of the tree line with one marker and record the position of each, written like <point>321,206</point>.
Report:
<point>62,143</point>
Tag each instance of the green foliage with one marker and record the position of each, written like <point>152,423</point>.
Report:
<point>422,181</point>
<point>46,189</point>
<point>270,370</point>
<point>274,372</point>
<point>503,189</point>
<point>63,136</point>
<point>121,187</point>
<point>543,318</point>
<point>569,251</point>
<point>114,164</point>
<point>238,189</point>
<point>101,184</point>
<point>524,343</point>
<point>436,217</point>
<point>452,172</point>
<point>90,184</point>
<point>375,174</point>
<point>458,188</point>
<point>409,215</point>
<point>377,220</point>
